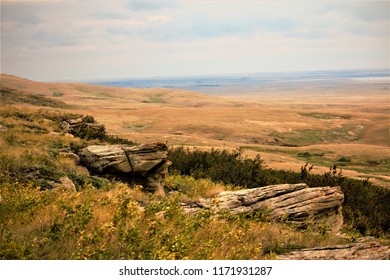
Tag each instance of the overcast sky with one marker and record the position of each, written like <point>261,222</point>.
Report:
<point>88,39</point>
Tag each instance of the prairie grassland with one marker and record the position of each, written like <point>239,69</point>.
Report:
<point>105,219</point>
<point>348,121</point>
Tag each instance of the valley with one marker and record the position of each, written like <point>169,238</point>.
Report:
<point>345,124</point>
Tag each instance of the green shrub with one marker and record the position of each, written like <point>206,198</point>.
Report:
<point>111,139</point>
<point>304,154</point>
<point>366,206</point>
<point>344,159</point>
<point>222,166</point>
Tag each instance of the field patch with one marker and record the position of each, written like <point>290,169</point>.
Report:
<point>326,116</point>
<point>317,136</point>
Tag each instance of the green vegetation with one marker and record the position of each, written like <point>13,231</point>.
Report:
<point>310,154</point>
<point>368,216</point>
<point>218,165</point>
<point>312,136</point>
<point>344,159</point>
<point>135,127</point>
<point>33,148</point>
<point>114,224</point>
<point>325,116</point>
<point>12,96</point>
<point>105,219</point>
<point>275,150</point>
<point>369,166</point>
<point>157,98</point>
<point>95,94</point>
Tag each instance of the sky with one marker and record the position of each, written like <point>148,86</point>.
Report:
<point>95,39</point>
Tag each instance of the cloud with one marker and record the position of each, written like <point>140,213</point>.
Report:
<point>147,5</point>
<point>365,10</point>
<point>88,39</point>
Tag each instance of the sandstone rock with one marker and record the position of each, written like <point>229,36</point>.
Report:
<point>294,203</point>
<point>63,183</point>
<point>144,164</point>
<point>146,157</point>
<point>67,184</point>
<point>369,250</point>
<point>110,159</point>
<point>84,127</point>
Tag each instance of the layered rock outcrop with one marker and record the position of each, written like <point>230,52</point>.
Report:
<point>318,208</point>
<point>361,250</point>
<point>84,127</point>
<point>145,164</point>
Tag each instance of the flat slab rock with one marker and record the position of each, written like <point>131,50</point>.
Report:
<point>295,203</point>
<point>369,250</point>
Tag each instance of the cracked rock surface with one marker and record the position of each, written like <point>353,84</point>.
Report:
<point>361,250</point>
<point>143,164</point>
<point>294,203</point>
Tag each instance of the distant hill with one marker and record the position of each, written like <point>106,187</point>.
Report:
<point>87,95</point>
<point>14,96</point>
<point>346,125</point>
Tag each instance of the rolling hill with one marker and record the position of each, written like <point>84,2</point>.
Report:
<point>347,128</point>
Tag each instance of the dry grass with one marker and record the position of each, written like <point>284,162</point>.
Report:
<point>115,222</point>
<point>352,120</point>
<point>110,224</point>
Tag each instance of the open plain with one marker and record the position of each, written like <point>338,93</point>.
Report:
<point>345,122</point>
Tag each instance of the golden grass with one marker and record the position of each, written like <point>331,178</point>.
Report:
<point>98,224</point>
<point>263,121</point>
<point>116,222</point>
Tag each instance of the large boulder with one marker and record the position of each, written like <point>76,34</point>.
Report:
<point>109,159</point>
<point>318,208</point>
<point>144,164</point>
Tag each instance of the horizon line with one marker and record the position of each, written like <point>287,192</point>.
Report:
<point>166,77</point>
<point>231,74</point>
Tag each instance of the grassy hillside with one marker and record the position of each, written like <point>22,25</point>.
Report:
<point>105,219</point>
<point>89,96</point>
<point>13,96</point>
<point>41,218</point>
<point>347,127</point>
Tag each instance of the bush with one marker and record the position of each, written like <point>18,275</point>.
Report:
<point>366,206</point>
<point>344,159</point>
<point>221,166</point>
<point>110,139</point>
<point>304,154</point>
